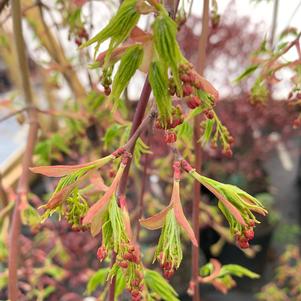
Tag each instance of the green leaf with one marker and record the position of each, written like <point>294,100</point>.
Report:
<point>98,279</point>
<point>158,285</point>
<point>184,131</point>
<point>112,133</point>
<point>166,45</point>
<point>238,271</point>
<point>140,149</point>
<point>209,123</point>
<point>130,62</point>
<point>250,70</point>
<point>158,79</point>
<point>30,216</point>
<point>119,26</point>
<point>120,284</point>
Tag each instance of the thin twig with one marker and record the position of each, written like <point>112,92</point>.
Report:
<point>198,157</point>
<point>22,188</point>
<point>12,114</point>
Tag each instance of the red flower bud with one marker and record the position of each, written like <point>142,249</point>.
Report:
<point>170,137</point>
<point>209,114</point>
<point>135,283</point>
<point>198,84</point>
<point>128,256</point>
<point>167,265</point>
<point>228,152</point>
<point>243,243</point>
<point>168,273</point>
<point>193,102</point>
<point>123,264</point>
<point>185,78</point>
<point>187,89</point>
<point>252,223</point>
<point>101,253</point>
<point>135,293</point>
<point>107,91</point>
<point>249,234</point>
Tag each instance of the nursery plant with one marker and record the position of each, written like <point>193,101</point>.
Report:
<point>93,194</point>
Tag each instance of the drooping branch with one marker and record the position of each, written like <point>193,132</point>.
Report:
<point>22,188</point>
<point>137,120</point>
<point>200,66</point>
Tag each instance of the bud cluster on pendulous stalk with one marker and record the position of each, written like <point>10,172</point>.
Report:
<point>172,78</point>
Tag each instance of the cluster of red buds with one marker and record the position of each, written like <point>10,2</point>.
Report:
<point>82,36</point>
<point>102,253</point>
<point>177,118</point>
<point>106,81</point>
<point>167,267</point>
<point>136,286</point>
<point>170,137</point>
<point>130,255</point>
<point>243,238</point>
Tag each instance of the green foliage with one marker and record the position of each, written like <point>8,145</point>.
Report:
<point>184,131</point>
<point>158,79</point>
<point>72,178</point>
<point>97,279</point>
<point>259,91</point>
<point>140,149</point>
<point>113,135</point>
<point>130,62</point>
<point>246,73</point>
<point>159,287</point>
<point>238,271</point>
<point>166,46</point>
<point>93,101</point>
<point>77,208</point>
<point>30,216</point>
<point>236,205</point>
<point>117,224</point>
<point>119,26</point>
<point>46,149</point>
<point>170,241</point>
<point>208,129</point>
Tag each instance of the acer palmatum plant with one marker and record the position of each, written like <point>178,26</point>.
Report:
<point>177,87</point>
<point>93,195</point>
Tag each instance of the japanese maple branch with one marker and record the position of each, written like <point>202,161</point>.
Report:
<point>137,120</point>
<point>198,157</point>
<point>22,188</point>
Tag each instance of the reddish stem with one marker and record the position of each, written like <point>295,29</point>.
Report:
<point>198,156</point>
<point>137,120</point>
<point>23,183</point>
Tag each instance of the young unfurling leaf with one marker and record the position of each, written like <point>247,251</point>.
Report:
<point>165,42</point>
<point>221,276</point>
<point>130,62</point>
<point>172,220</point>
<point>119,26</point>
<point>236,205</point>
<point>158,79</point>
<point>158,285</point>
